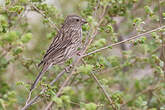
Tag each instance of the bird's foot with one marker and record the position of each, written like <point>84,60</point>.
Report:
<point>67,69</point>
<point>79,53</point>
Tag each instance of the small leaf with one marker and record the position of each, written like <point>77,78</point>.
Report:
<point>89,19</point>
<point>163,14</point>
<point>90,106</point>
<point>155,35</point>
<point>161,64</point>
<point>85,27</point>
<point>68,90</point>
<point>2,104</point>
<point>85,68</point>
<point>16,8</point>
<point>99,43</point>
<point>20,83</point>
<point>57,100</point>
<point>110,28</point>
<point>148,10</point>
<point>26,37</point>
<point>49,36</point>
<point>65,98</point>
<point>17,50</point>
<point>10,36</point>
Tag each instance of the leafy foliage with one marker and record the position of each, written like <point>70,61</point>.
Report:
<point>132,73</point>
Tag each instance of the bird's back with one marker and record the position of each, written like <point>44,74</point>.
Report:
<point>63,46</point>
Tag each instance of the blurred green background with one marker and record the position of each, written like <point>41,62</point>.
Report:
<point>132,73</point>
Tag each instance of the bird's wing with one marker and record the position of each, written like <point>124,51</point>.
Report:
<point>62,40</point>
<point>57,47</point>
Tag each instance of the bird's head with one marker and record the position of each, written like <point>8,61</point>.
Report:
<point>75,20</point>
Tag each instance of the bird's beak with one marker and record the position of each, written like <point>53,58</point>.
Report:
<point>84,21</point>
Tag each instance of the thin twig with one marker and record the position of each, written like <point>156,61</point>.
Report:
<point>148,89</point>
<point>5,51</point>
<point>32,101</point>
<point>42,13</point>
<point>101,86</point>
<point>29,97</point>
<point>96,8</point>
<point>126,40</point>
<point>3,54</point>
<point>104,91</point>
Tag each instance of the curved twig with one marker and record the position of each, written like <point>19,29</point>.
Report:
<point>126,40</point>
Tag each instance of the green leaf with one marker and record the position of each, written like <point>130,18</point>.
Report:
<point>3,20</point>
<point>155,35</point>
<point>148,10</point>
<point>114,60</point>
<point>140,102</point>
<point>163,14</point>
<point>89,19</point>
<point>90,106</point>
<point>99,43</point>
<point>49,36</point>
<point>161,64</point>
<point>2,104</point>
<point>16,8</point>
<point>104,81</point>
<point>85,69</point>
<point>85,27</point>
<point>142,39</point>
<point>110,28</point>
<point>159,70</point>
<point>20,83</point>
<point>153,109</point>
<point>66,98</point>
<point>58,101</point>
<point>118,97</point>
<point>68,90</point>
<point>7,2</point>
<point>10,36</point>
<point>17,50</point>
<point>23,1</point>
<point>138,21</point>
<point>26,37</point>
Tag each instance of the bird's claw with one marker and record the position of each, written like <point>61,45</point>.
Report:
<point>79,53</point>
<point>67,69</point>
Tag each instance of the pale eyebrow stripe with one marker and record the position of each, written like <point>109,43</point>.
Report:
<point>76,17</point>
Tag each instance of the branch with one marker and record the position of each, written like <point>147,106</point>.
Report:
<point>77,61</point>
<point>32,101</point>
<point>42,13</point>
<point>126,40</point>
<point>104,91</point>
<point>148,89</point>
<point>4,53</point>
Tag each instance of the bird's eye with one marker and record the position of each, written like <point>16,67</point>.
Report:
<point>77,20</point>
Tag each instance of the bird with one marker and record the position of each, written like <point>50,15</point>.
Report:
<point>64,45</point>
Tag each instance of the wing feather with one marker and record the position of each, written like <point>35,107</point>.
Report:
<point>57,47</point>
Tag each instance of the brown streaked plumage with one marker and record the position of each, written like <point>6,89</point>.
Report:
<point>64,45</point>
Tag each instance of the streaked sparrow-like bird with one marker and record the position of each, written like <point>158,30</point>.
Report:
<point>63,46</point>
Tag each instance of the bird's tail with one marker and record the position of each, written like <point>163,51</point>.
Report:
<point>44,69</point>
